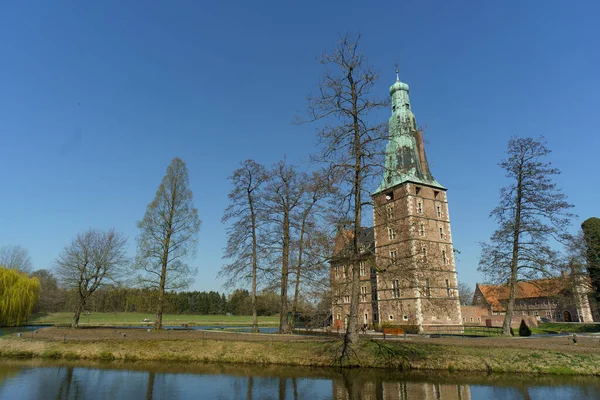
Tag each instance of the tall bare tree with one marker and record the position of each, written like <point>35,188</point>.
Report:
<point>313,244</point>
<point>283,195</point>
<point>532,214</point>
<point>91,260</point>
<point>168,236</point>
<point>465,294</point>
<point>350,143</point>
<point>15,257</point>
<point>243,242</point>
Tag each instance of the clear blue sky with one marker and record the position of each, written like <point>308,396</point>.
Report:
<point>96,98</point>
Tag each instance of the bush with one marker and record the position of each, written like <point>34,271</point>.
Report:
<point>524,329</point>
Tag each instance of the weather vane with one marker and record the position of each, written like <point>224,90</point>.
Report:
<point>397,76</point>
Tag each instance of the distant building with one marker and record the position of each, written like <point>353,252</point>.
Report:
<point>407,270</point>
<point>565,299</point>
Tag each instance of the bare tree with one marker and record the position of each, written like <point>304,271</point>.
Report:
<point>350,143</point>
<point>168,236</point>
<point>465,294</point>
<point>243,234</point>
<point>283,195</point>
<point>15,257</point>
<point>313,244</point>
<point>91,260</point>
<point>532,213</point>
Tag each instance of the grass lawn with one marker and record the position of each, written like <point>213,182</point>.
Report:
<point>137,319</point>
<point>558,327</point>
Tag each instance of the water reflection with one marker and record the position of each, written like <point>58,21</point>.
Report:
<point>43,380</point>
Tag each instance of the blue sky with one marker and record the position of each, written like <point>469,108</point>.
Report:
<point>96,98</point>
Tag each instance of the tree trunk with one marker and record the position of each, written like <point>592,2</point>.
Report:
<point>514,264</point>
<point>284,326</point>
<point>352,329</point>
<point>161,299</point>
<point>78,312</point>
<point>254,264</point>
<point>299,266</point>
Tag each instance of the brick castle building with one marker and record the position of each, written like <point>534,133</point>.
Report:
<point>407,270</point>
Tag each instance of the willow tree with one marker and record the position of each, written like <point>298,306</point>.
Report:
<point>18,295</point>
<point>168,236</point>
<point>350,144</point>
<point>532,214</point>
<point>93,259</point>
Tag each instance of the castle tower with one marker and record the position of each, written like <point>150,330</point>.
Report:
<point>416,275</point>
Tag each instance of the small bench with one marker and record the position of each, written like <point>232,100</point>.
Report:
<point>393,331</point>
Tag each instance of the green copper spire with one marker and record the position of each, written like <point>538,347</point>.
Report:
<point>405,159</point>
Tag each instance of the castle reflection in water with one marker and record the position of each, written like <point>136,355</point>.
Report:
<point>399,391</point>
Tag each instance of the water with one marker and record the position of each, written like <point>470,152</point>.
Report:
<point>15,330</point>
<point>42,379</point>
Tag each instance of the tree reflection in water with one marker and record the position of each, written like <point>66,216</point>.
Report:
<point>44,380</point>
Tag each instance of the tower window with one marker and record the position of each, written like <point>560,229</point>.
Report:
<point>390,211</point>
<point>427,288</point>
<point>392,233</point>
<point>417,190</point>
<point>444,258</point>
<point>391,317</point>
<point>389,196</point>
<point>396,289</point>
<point>439,211</point>
<point>419,208</point>
<point>422,230</point>
<point>424,253</point>
<point>346,299</point>
<point>449,291</point>
<point>363,293</point>
<point>441,233</point>
<point>363,270</point>
<point>393,255</point>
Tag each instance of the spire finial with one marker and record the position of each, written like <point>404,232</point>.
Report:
<point>397,76</point>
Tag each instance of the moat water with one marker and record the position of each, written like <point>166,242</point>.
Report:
<point>37,379</point>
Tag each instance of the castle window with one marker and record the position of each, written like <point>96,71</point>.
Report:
<point>392,233</point>
<point>449,291</point>
<point>405,317</point>
<point>419,208</point>
<point>363,293</point>
<point>391,317</point>
<point>417,190</point>
<point>424,253</point>
<point>471,319</point>
<point>439,211</point>
<point>427,288</point>
<point>363,270</point>
<point>393,254</point>
<point>346,299</point>
<point>444,258</point>
<point>390,211</point>
<point>396,289</point>
<point>389,196</point>
<point>422,230</point>
<point>435,193</point>
<point>345,272</point>
<point>441,233</point>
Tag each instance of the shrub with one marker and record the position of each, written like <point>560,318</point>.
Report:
<point>524,329</point>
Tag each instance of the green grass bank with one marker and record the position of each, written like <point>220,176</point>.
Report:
<point>516,355</point>
<point>126,319</point>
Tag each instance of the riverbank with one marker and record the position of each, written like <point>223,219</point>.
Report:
<point>143,319</point>
<point>548,355</point>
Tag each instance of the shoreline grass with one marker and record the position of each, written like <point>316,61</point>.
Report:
<point>392,355</point>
